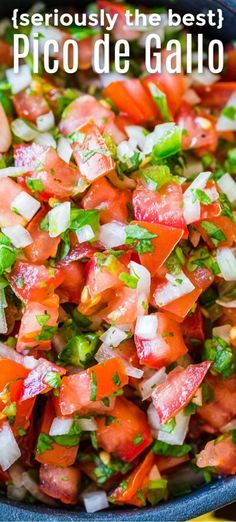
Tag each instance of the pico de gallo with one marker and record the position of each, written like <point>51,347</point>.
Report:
<point>117,278</point>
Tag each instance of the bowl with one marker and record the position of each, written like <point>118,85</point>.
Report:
<point>209,497</point>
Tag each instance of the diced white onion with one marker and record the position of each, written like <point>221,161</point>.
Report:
<point>34,490</point>
<point>107,78</point>
<point>226,304</point>
<point>192,209</point>
<point>3,322</point>
<point>19,236</point>
<point>113,336</point>
<point>137,134</point>
<point>112,234</point>
<point>59,219</point>
<point>147,386</point>
<point>178,435</point>
<point>85,233</point>
<point>23,130</point>
<point>9,449</point>
<point>176,287</point>
<point>64,149</point>
<point>227,263</point>
<point>153,419</point>
<point>9,353</point>
<point>26,205</point>
<point>222,331</point>
<point>45,139</point>
<point>19,81</point>
<point>159,132</point>
<point>105,352</point>
<point>229,426</point>
<point>16,493</point>
<point>60,426</point>
<point>95,501</point>
<point>225,124</point>
<point>228,186</point>
<point>204,78</point>
<point>45,122</point>
<point>146,327</point>
<point>125,150</point>
<point>191,97</point>
<point>87,424</point>
<point>13,171</point>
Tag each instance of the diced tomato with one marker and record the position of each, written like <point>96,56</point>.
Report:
<point>128,434</point>
<point>131,98</point>
<point>102,277</point>
<point>6,53</point>
<point>5,137</point>
<point>80,251</point>
<point>122,308</point>
<point>60,483</point>
<point>36,380</point>
<point>225,225</point>
<point>219,454</point>
<point>221,409</point>
<point>37,324</point>
<point>167,464</point>
<point>164,207</point>
<point>43,245</point>
<point>166,348</point>
<point>92,155</point>
<point>120,30</point>
<point>73,278</point>
<point>93,408</point>
<point>81,111</point>
<point>11,377</point>
<point>179,387</point>
<point>199,129</point>
<point>113,130</point>
<point>173,85</point>
<point>58,179</point>
<point>215,96</point>
<point>112,202</point>
<point>34,282</point>
<point>179,308</point>
<point>137,482</point>
<point>57,455</point>
<point>193,327</point>
<point>27,443</point>
<point>29,105</point>
<point>9,190</point>
<point>165,242</point>
<point>79,390</point>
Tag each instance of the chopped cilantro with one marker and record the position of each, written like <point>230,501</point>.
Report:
<point>129,280</point>
<point>170,450</point>
<point>93,393</point>
<point>138,439</point>
<point>229,112</point>
<point>44,443</point>
<point>35,185</point>
<point>116,379</point>
<point>169,426</point>
<point>213,232</point>
<point>201,196</point>
<point>46,334</point>
<point>53,379</point>
<point>222,355</point>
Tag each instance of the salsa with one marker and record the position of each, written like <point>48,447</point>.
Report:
<point>117,276</point>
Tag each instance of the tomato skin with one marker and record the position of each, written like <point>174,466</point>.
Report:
<point>76,390</point>
<point>60,483</point>
<point>219,453</point>
<point>165,242</point>
<point>34,383</point>
<point>6,53</point>
<point>80,251</point>
<point>11,376</point>
<point>222,409</point>
<point>131,98</point>
<point>197,136</point>
<point>33,282</point>
<point>136,481</point>
<point>57,455</point>
<point>81,111</point>
<point>43,245</point>
<point>57,177</point>
<point>193,327</point>
<point>216,95</point>
<point>98,164</point>
<point>180,386</point>
<point>226,226</point>
<point>112,201</point>
<point>9,189</point>
<point>29,106</point>
<point>119,436</point>
<point>167,464</point>
<point>73,279</point>
<point>166,348</point>
<point>164,207</point>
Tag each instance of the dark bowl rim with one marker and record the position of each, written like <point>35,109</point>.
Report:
<point>207,498</point>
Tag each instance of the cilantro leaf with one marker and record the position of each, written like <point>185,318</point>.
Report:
<point>213,232</point>
<point>170,450</point>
